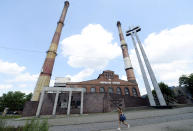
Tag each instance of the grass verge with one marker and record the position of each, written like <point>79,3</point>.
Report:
<point>31,125</point>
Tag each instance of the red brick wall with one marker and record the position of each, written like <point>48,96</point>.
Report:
<point>110,78</point>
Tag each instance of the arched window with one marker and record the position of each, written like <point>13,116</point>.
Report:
<point>93,89</point>
<point>110,90</point>
<point>102,89</point>
<point>127,91</point>
<point>134,92</point>
<point>118,90</point>
<point>84,89</point>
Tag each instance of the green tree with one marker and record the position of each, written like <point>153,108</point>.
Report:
<point>14,100</point>
<point>166,91</point>
<point>28,97</point>
<point>187,81</point>
<point>1,108</point>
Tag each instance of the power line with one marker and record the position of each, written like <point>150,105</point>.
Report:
<point>19,49</point>
<point>39,51</point>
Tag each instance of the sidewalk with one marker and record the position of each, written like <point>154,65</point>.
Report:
<point>105,117</point>
<point>113,116</point>
<point>181,125</point>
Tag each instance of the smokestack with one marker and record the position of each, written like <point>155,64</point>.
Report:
<point>127,61</point>
<point>46,72</point>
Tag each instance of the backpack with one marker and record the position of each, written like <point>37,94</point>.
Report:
<point>122,117</point>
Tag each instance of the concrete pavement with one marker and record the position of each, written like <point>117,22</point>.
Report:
<point>112,125</point>
<point>141,119</point>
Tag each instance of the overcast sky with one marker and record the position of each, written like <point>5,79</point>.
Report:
<point>89,42</point>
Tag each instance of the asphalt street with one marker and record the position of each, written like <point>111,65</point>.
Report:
<point>114,124</point>
<point>142,120</point>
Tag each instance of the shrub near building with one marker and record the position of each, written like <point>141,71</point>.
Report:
<point>14,101</point>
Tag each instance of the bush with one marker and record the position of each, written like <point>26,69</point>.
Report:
<point>2,124</point>
<point>32,125</point>
<point>14,100</point>
<point>36,125</point>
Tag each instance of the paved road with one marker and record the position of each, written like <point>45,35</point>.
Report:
<point>111,125</point>
<point>179,125</point>
<point>108,121</point>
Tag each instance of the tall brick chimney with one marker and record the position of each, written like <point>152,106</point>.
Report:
<point>46,72</point>
<point>126,58</point>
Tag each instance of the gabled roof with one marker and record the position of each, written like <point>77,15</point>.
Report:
<point>107,77</point>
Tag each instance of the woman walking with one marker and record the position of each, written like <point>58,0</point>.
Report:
<point>122,118</point>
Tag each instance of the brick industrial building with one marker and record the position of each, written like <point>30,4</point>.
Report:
<point>100,95</point>
<point>107,82</point>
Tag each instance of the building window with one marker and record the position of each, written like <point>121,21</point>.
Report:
<point>77,104</point>
<point>118,90</point>
<point>71,86</point>
<point>84,89</point>
<point>108,75</point>
<point>134,92</point>
<point>93,90</point>
<point>110,90</point>
<point>127,91</point>
<point>102,89</point>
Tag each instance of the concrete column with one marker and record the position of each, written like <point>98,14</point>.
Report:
<point>151,73</point>
<point>40,103</point>
<point>55,103</point>
<point>69,102</point>
<point>81,105</point>
<point>147,86</point>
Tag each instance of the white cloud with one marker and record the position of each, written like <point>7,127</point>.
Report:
<point>170,45</point>
<point>124,77</point>
<point>170,54</point>
<point>16,79</point>
<point>81,75</point>
<point>143,91</point>
<point>25,77</point>
<point>6,86</point>
<point>10,68</point>
<point>172,70</point>
<point>92,50</point>
<point>23,85</point>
